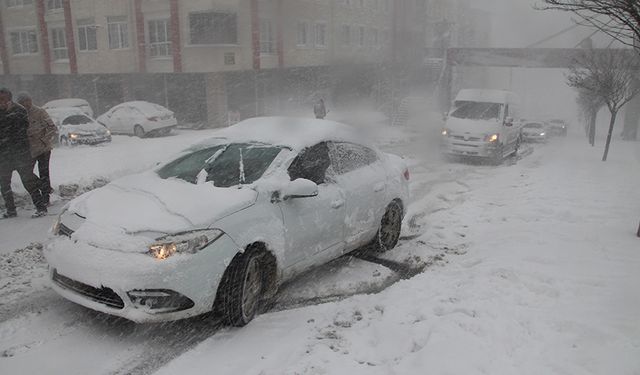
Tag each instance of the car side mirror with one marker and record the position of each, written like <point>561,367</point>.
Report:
<point>508,121</point>
<point>299,188</point>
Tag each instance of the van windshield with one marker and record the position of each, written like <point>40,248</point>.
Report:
<point>476,110</point>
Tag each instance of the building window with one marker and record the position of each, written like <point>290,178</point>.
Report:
<point>361,36</point>
<point>346,35</point>
<point>18,3</point>
<point>159,38</point>
<point>54,4</point>
<point>375,39</point>
<point>87,38</point>
<point>213,28</point>
<point>59,44</point>
<point>24,42</point>
<point>229,58</point>
<point>321,35</point>
<point>303,33</point>
<point>118,30</point>
<point>267,40</point>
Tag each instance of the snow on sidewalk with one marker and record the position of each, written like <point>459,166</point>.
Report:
<point>546,284</point>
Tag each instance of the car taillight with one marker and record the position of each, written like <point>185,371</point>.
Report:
<point>406,174</point>
<point>154,118</point>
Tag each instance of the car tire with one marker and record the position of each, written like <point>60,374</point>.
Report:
<point>389,231</point>
<point>243,286</point>
<point>138,131</point>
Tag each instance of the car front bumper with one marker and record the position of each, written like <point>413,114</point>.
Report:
<point>91,140</point>
<point>471,147</point>
<point>137,286</point>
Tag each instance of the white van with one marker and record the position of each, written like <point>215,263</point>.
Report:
<point>483,123</point>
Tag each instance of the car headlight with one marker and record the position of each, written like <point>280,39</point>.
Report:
<point>73,136</point>
<point>542,134</point>
<point>185,243</point>
<point>445,132</point>
<point>492,138</point>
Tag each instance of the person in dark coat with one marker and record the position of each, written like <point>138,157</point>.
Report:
<point>319,109</point>
<point>15,155</point>
<point>42,131</point>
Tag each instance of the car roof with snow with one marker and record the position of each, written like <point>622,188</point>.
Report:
<point>145,107</point>
<point>59,113</point>
<point>292,132</point>
<point>69,102</point>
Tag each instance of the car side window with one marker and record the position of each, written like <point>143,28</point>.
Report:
<point>311,163</point>
<point>347,157</point>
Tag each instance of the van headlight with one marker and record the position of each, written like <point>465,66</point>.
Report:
<point>184,243</point>
<point>492,138</point>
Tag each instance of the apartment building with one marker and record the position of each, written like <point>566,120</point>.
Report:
<point>198,57</point>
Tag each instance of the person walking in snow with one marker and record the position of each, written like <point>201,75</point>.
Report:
<point>319,109</point>
<point>15,155</point>
<point>42,131</point>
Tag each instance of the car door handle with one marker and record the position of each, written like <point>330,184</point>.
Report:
<point>337,203</point>
<point>378,187</point>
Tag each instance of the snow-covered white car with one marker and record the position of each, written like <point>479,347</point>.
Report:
<point>222,225</point>
<point>138,118</point>
<point>535,131</point>
<point>75,127</point>
<point>82,104</point>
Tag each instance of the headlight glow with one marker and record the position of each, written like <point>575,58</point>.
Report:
<point>445,132</point>
<point>542,133</point>
<point>491,138</point>
<point>185,243</point>
<point>73,136</point>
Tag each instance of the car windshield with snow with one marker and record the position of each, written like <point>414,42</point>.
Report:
<point>224,224</point>
<point>223,165</point>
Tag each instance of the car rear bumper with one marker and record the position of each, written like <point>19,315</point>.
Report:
<point>137,286</point>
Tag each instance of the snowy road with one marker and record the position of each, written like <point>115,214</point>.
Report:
<point>526,272</point>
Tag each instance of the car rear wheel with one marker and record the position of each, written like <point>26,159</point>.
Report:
<point>243,287</point>
<point>390,227</point>
<point>138,131</point>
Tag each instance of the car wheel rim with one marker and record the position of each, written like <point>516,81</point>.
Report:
<point>251,288</point>
<point>390,228</point>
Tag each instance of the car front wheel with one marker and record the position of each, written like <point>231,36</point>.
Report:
<point>243,288</point>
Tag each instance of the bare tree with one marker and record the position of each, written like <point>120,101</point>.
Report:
<point>589,105</point>
<point>619,19</point>
<point>609,76</point>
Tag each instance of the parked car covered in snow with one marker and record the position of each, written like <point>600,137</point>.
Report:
<point>534,131</point>
<point>483,124</point>
<point>81,104</point>
<point>138,118</point>
<point>75,127</point>
<point>227,221</point>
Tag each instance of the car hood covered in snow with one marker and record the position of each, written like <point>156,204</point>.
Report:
<point>146,203</point>
<point>88,128</point>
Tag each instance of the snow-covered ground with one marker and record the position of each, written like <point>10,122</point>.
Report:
<point>529,268</point>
